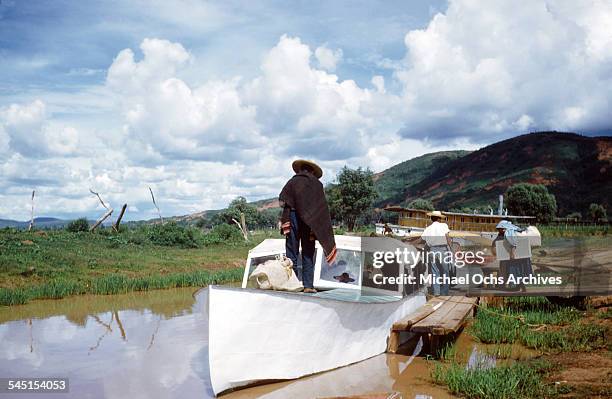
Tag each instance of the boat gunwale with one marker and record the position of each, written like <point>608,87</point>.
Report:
<point>300,295</point>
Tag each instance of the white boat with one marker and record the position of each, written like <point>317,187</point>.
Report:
<point>257,335</point>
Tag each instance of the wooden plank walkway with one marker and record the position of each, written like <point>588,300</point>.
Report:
<point>440,316</point>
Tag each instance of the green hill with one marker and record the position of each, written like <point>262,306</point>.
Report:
<point>392,183</point>
<point>577,169</point>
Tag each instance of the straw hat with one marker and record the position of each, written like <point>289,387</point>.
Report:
<point>297,165</point>
<point>344,278</point>
<point>436,214</point>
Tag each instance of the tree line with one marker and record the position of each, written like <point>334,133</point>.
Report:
<point>352,194</point>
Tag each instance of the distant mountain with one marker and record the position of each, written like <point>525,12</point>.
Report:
<point>39,222</point>
<point>9,223</point>
<point>576,169</point>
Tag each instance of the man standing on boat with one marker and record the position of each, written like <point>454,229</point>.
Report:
<point>305,218</point>
<point>436,235</point>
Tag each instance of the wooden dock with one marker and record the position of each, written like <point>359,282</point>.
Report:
<point>439,317</point>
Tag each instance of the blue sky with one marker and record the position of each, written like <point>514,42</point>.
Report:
<point>204,101</point>
<point>64,45</point>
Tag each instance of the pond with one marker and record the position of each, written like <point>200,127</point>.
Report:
<point>154,344</point>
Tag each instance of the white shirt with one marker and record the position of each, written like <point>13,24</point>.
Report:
<point>435,234</point>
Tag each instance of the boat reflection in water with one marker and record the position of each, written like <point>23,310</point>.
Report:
<point>155,345</point>
<point>257,335</point>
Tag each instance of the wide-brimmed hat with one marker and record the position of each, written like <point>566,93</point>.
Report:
<point>297,165</point>
<point>344,278</point>
<point>506,225</point>
<point>436,214</point>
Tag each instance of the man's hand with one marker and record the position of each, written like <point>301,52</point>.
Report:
<point>286,228</point>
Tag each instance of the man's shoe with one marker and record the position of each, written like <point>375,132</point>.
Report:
<point>310,291</point>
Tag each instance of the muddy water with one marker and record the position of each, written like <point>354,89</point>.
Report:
<point>138,345</point>
<point>154,344</point>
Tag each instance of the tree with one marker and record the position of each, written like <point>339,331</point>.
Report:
<point>268,217</point>
<point>355,194</point>
<point>526,199</point>
<point>235,208</point>
<point>334,201</point>
<point>597,212</point>
<point>421,203</point>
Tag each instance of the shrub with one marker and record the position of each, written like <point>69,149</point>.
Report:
<point>78,225</point>
<point>171,234</point>
<point>138,236</point>
<point>223,233</point>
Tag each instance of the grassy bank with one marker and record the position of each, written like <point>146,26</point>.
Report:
<point>55,264</point>
<point>536,323</point>
<point>518,380</point>
<point>555,334</point>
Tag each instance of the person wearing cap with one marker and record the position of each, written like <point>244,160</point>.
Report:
<point>508,232</point>
<point>436,235</point>
<point>305,217</point>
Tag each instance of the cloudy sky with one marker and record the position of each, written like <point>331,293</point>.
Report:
<point>204,101</point>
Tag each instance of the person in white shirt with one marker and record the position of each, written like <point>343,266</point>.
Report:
<point>436,235</point>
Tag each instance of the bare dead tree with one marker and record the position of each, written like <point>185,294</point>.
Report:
<point>155,203</point>
<point>32,216</point>
<point>121,330</point>
<point>101,220</point>
<point>242,226</point>
<point>154,333</point>
<point>118,222</point>
<point>31,327</point>
<point>109,211</point>
<point>98,195</point>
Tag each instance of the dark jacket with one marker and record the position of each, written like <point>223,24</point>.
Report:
<point>304,193</point>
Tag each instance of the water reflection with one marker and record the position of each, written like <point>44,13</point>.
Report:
<point>139,345</point>
<point>155,344</point>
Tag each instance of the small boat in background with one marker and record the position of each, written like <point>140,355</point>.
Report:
<point>257,335</point>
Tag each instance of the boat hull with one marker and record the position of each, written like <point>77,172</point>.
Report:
<point>259,335</point>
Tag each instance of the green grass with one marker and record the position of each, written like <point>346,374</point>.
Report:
<point>518,380</point>
<point>606,314</point>
<point>536,323</point>
<point>500,351</point>
<point>562,231</point>
<point>117,284</point>
<point>56,264</point>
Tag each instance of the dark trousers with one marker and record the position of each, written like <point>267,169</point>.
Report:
<point>300,233</point>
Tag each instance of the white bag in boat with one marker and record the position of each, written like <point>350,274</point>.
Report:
<point>276,274</point>
<point>535,238</point>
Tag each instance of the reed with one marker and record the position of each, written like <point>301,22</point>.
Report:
<point>447,352</point>
<point>535,323</point>
<point>518,380</point>
<point>116,284</point>
<point>501,351</point>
